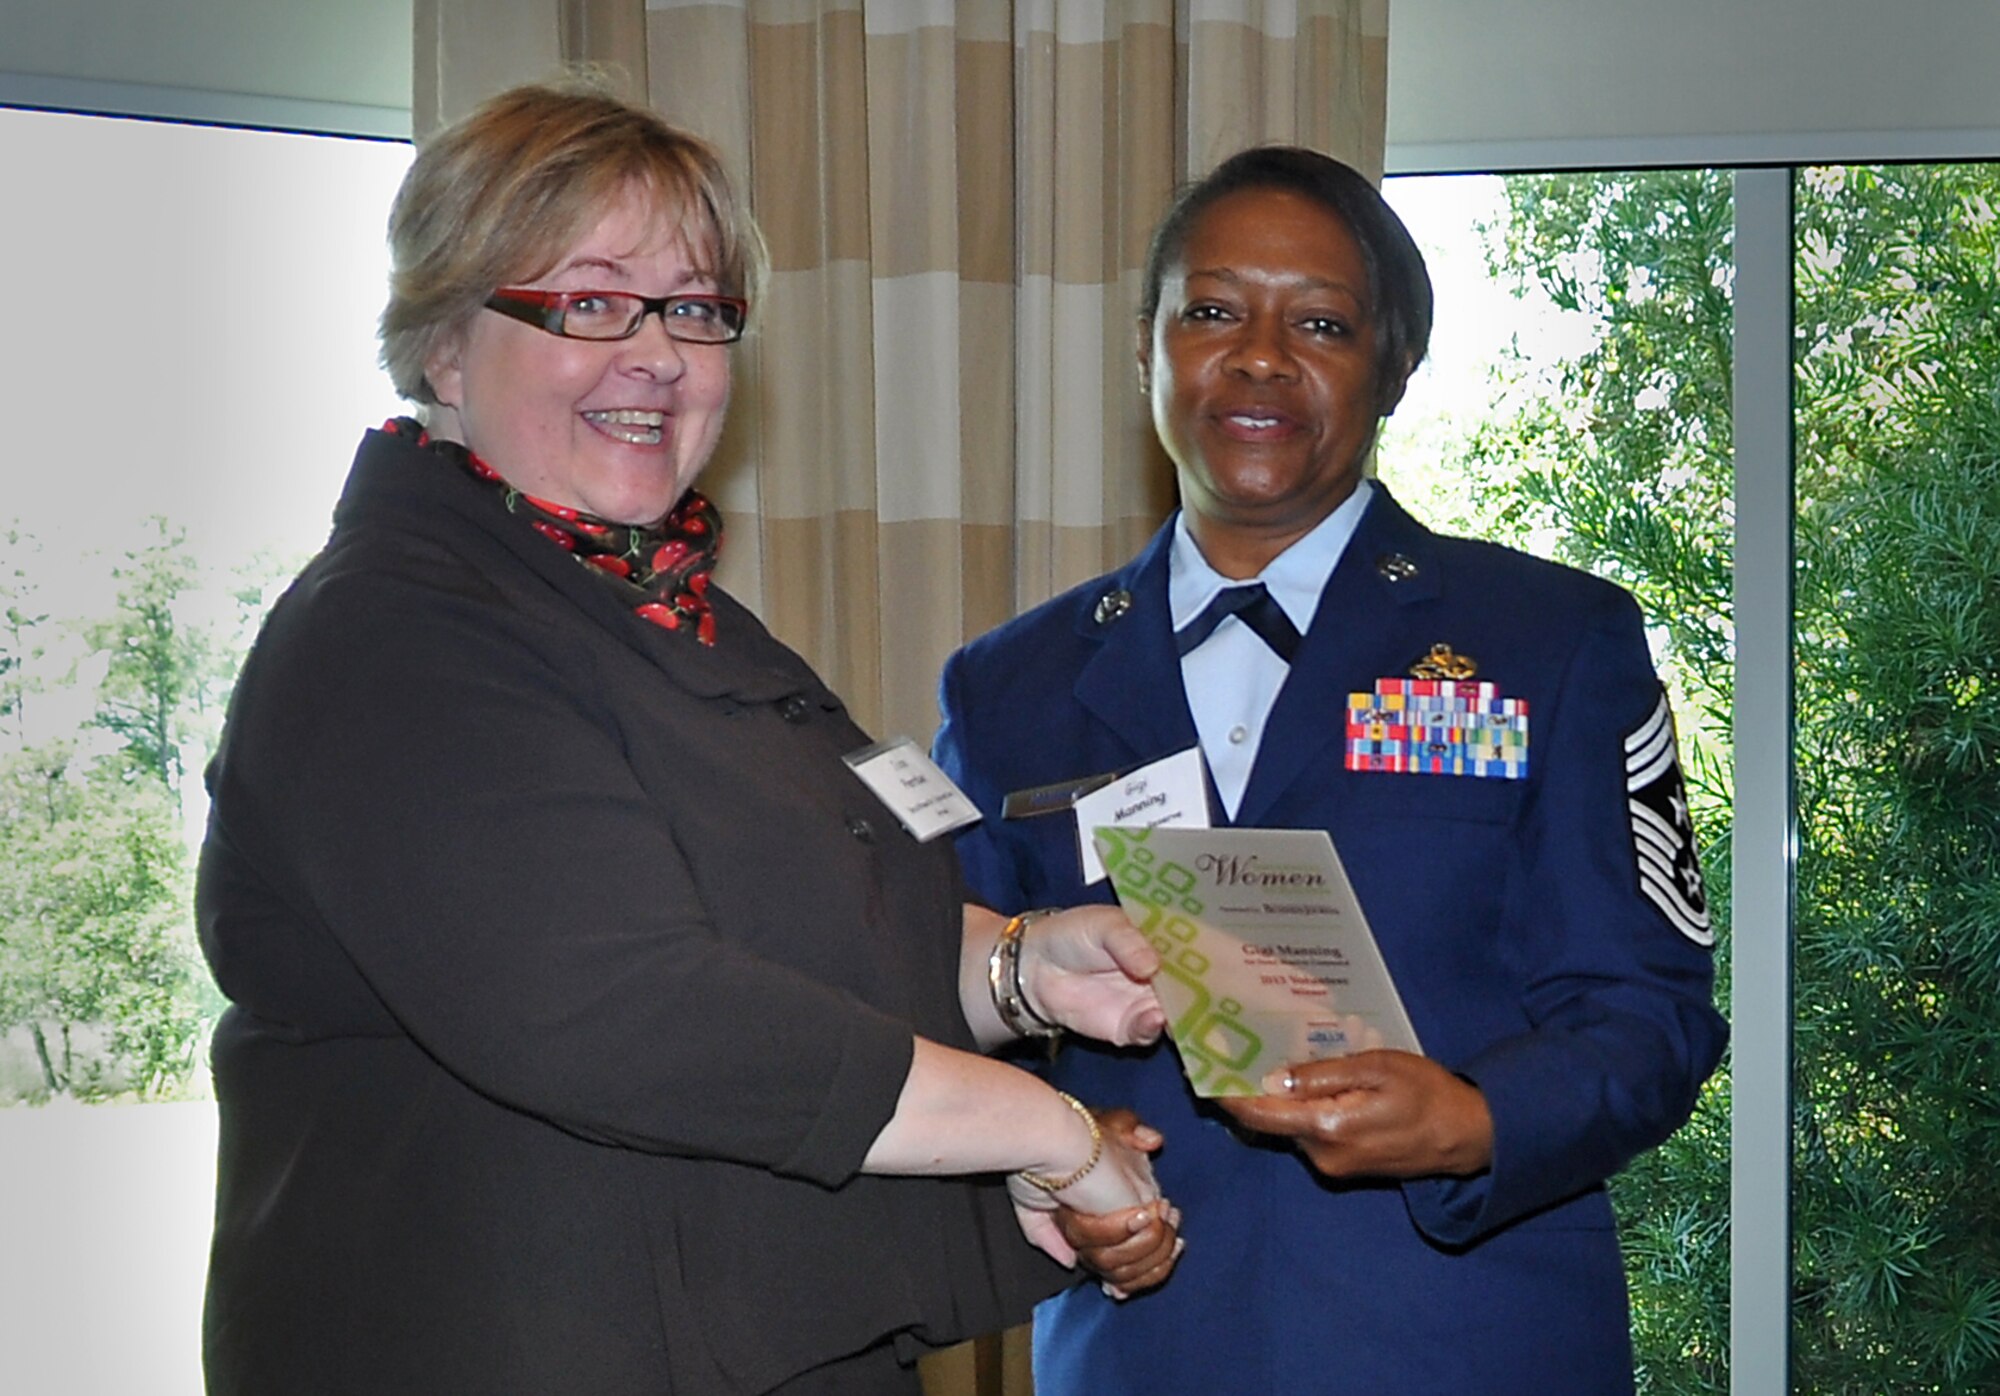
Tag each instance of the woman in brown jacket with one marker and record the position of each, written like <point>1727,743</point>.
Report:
<point>594,1028</point>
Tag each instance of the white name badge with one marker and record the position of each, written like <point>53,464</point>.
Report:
<point>922,797</point>
<point>1172,791</point>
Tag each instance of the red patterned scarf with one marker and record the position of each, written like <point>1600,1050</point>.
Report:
<point>661,571</point>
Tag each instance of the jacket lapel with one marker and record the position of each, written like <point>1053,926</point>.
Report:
<point>1132,685</point>
<point>746,664</point>
<point>1367,627</point>
<point>412,489</point>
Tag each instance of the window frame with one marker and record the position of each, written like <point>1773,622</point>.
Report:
<point>192,106</point>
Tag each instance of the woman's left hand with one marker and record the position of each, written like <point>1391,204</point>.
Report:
<point>1376,1114</point>
<point>1089,970</point>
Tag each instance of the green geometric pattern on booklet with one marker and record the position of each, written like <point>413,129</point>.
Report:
<point>1215,1043</point>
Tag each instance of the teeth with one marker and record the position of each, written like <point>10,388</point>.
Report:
<point>650,426</point>
<point>1250,421</point>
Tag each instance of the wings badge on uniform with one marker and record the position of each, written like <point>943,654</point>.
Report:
<point>1662,832</point>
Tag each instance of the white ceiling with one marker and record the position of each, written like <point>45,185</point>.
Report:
<point>1472,83</point>
<point>324,64</point>
<point>1503,84</point>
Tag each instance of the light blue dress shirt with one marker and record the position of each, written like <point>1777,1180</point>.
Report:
<point>1232,678</point>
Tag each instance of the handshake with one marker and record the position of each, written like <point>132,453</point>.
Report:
<point>1129,1247</point>
<point>1373,1114</point>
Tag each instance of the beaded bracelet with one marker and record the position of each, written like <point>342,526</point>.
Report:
<point>1096,1152</point>
<point>1003,976</point>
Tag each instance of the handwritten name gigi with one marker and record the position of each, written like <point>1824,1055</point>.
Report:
<point>1236,870</point>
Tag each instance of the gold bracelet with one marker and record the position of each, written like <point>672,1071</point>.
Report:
<point>1003,977</point>
<point>1096,1152</point>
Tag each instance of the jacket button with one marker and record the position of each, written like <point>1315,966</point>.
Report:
<point>861,829</point>
<point>793,708</point>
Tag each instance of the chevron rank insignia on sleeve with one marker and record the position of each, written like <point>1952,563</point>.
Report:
<point>1662,831</point>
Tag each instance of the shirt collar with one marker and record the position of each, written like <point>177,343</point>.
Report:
<point>1295,577</point>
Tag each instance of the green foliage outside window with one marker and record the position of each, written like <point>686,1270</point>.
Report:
<point>99,972</point>
<point>1897,981</point>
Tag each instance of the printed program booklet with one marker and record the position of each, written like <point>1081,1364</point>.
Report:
<point>1267,958</point>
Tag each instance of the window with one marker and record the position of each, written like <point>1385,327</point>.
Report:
<point>1896,977</point>
<point>1578,407</point>
<point>1778,428</point>
<point>196,306</point>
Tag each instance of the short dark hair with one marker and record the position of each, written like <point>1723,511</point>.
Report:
<point>1398,282</point>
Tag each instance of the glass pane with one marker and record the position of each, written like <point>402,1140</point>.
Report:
<point>192,314</point>
<point>1897,977</point>
<point>1577,405</point>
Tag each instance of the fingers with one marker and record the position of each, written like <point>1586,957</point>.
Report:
<point>1129,1015</point>
<point>1130,950</point>
<point>1152,1277</point>
<point>1128,1251</point>
<point>1375,1114</point>
<point>1137,1166</point>
<point>1088,970</point>
<point>1331,1075</point>
<point>1104,1232</point>
<point>1128,1129</point>
<point>1087,938</point>
<point>1272,1114</point>
<point>1144,1021</point>
<point>1043,1233</point>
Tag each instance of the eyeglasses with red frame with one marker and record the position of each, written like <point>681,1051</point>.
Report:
<point>696,318</point>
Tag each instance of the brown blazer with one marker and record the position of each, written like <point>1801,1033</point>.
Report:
<point>572,974</point>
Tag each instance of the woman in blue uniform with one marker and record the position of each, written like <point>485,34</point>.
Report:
<point>1384,1221</point>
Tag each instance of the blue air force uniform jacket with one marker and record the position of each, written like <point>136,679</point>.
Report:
<point>1547,933</point>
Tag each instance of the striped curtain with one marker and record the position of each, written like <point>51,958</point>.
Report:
<point>937,422</point>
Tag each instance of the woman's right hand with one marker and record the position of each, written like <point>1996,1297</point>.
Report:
<point>960,1112</point>
<point>1130,1251</point>
<point>1121,1179</point>
<point>1136,1249</point>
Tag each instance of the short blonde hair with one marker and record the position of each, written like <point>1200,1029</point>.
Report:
<point>497,198</point>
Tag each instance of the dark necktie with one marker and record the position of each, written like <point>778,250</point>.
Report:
<point>1253,606</point>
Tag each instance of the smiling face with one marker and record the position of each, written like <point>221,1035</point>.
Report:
<point>1260,365</point>
<point>618,429</point>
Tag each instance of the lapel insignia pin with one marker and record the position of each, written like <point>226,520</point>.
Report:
<point>1396,567</point>
<point>1112,606</point>
<point>1443,663</point>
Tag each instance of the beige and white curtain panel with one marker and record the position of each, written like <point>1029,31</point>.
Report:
<point>937,422</point>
